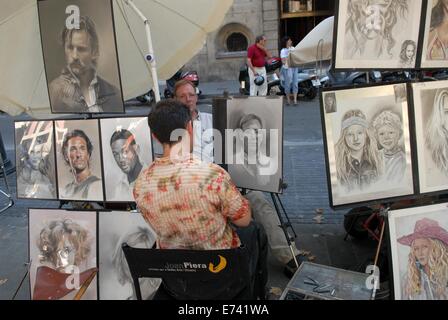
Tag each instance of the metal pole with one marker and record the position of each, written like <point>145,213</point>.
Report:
<point>150,57</point>
<point>8,167</point>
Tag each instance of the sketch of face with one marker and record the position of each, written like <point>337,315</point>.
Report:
<point>329,101</point>
<point>255,138</point>
<point>355,137</point>
<point>388,137</point>
<point>124,154</point>
<point>421,249</point>
<point>65,254</point>
<point>78,53</point>
<point>35,157</point>
<point>410,50</point>
<point>374,22</point>
<point>78,154</point>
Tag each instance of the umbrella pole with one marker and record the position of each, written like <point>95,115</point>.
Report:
<point>150,56</point>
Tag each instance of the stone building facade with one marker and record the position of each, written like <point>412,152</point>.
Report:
<point>224,52</point>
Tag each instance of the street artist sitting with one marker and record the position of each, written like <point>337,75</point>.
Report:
<point>195,205</point>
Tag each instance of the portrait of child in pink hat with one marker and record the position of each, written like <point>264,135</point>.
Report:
<point>425,275</point>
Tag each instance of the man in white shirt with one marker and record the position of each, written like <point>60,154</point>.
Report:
<point>262,210</point>
<point>185,92</point>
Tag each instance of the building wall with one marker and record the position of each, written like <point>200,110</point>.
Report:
<point>249,17</point>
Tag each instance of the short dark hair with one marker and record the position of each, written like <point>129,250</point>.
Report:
<point>87,25</point>
<point>284,41</point>
<point>122,134</point>
<point>182,83</point>
<point>259,38</point>
<point>73,134</point>
<point>167,116</point>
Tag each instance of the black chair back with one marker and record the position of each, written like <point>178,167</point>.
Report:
<point>193,274</point>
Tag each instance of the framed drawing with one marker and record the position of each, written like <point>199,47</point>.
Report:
<point>369,34</point>
<point>62,249</point>
<point>419,247</point>
<point>127,151</point>
<point>116,228</point>
<point>35,160</point>
<point>80,56</point>
<point>431,124</point>
<point>78,160</point>
<point>367,144</point>
<point>434,43</point>
<point>254,142</point>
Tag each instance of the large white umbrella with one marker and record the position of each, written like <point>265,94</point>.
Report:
<point>178,32</point>
<point>316,46</point>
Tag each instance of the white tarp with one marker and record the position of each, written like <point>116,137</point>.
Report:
<point>306,51</point>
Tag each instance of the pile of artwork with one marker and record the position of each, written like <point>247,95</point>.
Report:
<point>77,255</point>
<point>386,143</point>
<point>390,34</point>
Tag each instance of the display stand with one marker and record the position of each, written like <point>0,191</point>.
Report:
<point>285,225</point>
<point>384,210</point>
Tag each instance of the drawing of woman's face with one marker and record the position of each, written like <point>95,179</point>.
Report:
<point>355,137</point>
<point>388,137</point>
<point>410,51</point>
<point>35,157</point>
<point>421,249</point>
<point>65,253</point>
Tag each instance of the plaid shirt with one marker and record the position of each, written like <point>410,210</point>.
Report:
<point>190,204</point>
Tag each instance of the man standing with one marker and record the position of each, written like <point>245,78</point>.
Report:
<point>185,92</point>
<point>77,151</point>
<point>193,205</point>
<point>256,59</point>
<point>125,151</point>
<point>79,89</point>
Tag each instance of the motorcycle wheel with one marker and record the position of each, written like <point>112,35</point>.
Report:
<point>167,94</point>
<point>312,93</point>
<point>274,90</point>
<point>308,89</point>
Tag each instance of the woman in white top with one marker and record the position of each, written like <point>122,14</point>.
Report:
<point>289,75</point>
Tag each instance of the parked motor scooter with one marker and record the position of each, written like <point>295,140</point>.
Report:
<point>180,74</point>
<point>272,78</point>
<point>147,98</point>
<point>339,79</point>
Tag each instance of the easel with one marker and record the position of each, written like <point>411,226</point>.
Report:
<point>7,194</point>
<point>284,225</point>
<point>384,211</point>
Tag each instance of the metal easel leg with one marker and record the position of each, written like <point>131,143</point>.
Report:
<point>284,225</point>
<point>8,194</point>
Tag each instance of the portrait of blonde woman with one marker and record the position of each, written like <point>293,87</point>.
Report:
<point>358,160</point>
<point>426,277</point>
<point>436,137</point>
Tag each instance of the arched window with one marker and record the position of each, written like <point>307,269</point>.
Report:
<point>232,41</point>
<point>236,42</point>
